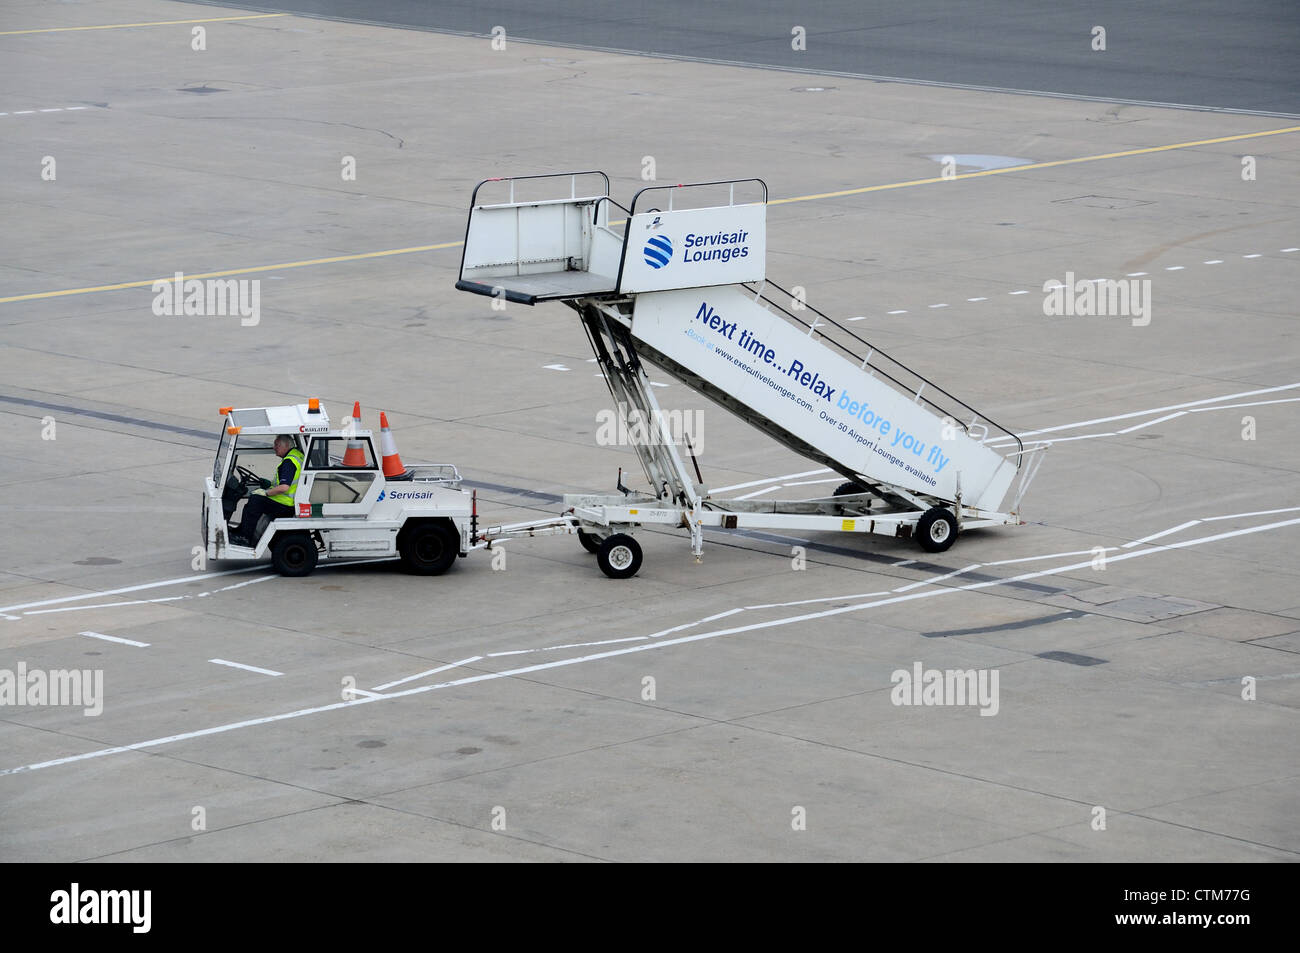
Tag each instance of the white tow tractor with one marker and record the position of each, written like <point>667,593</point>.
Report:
<point>346,506</point>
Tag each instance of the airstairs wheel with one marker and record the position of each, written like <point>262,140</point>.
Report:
<point>619,556</point>
<point>936,530</point>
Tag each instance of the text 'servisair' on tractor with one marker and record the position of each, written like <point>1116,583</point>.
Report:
<point>346,504</point>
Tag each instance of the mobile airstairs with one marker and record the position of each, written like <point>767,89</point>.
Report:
<point>679,281</point>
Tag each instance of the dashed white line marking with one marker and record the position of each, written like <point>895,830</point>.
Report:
<point>1135,274</point>
<point>1021,292</point>
<point>657,384</point>
<point>860,317</point>
<point>977,299</point>
<point>555,367</point>
<point>1213,261</point>
<point>905,562</point>
<point>24,112</point>
<point>114,638</point>
<point>247,668</point>
<point>1288,250</point>
<point>1174,268</point>
<point>1252,256</point>
<point>942,304</point>
<point>897,312</point>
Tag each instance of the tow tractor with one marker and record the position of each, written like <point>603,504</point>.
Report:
<point>345,504</point>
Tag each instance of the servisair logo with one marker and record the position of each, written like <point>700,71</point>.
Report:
<point>405,495</point>
<point>658,251</point>
<point>716,246</point>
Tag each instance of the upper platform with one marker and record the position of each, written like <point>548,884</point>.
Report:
<point>550,237</point>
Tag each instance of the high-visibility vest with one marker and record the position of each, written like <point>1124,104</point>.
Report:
<point>287,498</point>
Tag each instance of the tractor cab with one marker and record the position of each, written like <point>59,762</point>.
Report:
<point>340,505</point>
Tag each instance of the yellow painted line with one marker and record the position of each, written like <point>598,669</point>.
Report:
<point>148,282</point>
<point>1036,165</point>
<point>798,198</point>
<point>123,26</point>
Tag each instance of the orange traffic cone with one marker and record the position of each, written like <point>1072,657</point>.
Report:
<point>388,447</point>
<point>355,455</point>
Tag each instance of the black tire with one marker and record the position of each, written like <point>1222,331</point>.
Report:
<point>619,556</point>
<point>429,548</point>
<point>848,489</point>
<point>936,530</point>
<point>590,541</point>
<point>293,554</point>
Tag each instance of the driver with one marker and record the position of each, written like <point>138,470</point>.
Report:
<point>275,501</point>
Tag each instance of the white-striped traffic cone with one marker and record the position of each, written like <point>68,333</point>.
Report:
<point>388,447</point>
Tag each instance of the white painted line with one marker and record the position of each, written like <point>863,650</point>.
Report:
<point>643,647</point>
<point>804,602</point>
<point>904,562</point>
<point>591,360</point>
<point>657,384</point>
<point>107,605</point>
<point>931,582</point>
<point>860,317</point>
<point>1174,268</point>
<point>1287,250</point>
<point>56,109</point>
<point>432,671</point>
<point>897,312</point>
<point>583,645</point>
<point>1257,403</point>
<point>1163,532</point>
<point>942,304</point>
<point>1235,516</point>
<point>1151,423</point>
<point>75,108</point>
<point>1213,261</point>
<point>769,489</point>
<point>114,638</point>
<point>555,367</point>
<point>1157,410</point>
<point>977,299</point>
<point>1018,292</point>
<point>691,625</point>
<point>247,668</point>
<point>24,112</point>
<point>147,585</point>
<point>1252,256</point>
<point>1030,559</point>
<point>362,691</point>
<point>1135,274</point>
<point>716,489</point>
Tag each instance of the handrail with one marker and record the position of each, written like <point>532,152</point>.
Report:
<point>873,351</point>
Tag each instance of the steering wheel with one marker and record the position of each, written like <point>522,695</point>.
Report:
<point>247,478</point>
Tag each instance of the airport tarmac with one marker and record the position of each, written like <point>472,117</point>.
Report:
<point>1144,623</point>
